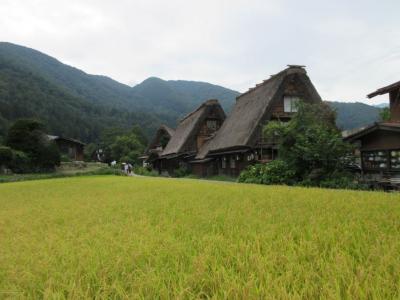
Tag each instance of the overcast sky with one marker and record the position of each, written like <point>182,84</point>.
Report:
<point>350,48</point>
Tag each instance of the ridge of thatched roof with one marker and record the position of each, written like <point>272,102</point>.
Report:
<point>289,70</point>
<point>187,127</point>
<point>385,89</point>
<point>56,137</point>
<point>249,110</point>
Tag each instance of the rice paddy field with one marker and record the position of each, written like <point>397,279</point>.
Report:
<point>110,237</point>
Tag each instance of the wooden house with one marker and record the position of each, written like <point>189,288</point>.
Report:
<point>239,142</point>
<point>378,145</point>
<point>72,148</point>
<point>157,145</point>
<point>192,132</point>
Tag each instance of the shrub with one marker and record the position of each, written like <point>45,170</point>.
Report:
<point>65,158</point>
<point>28,136</point>
<point>342,181</point>
<point>181,172</point>
<point>20,162</point>
<point>6,156</point>
<point>275,172</point>
<point>145,172</point>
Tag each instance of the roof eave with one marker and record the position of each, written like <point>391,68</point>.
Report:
<point>385,90</point>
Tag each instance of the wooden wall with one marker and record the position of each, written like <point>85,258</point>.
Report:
<point>381,140</point>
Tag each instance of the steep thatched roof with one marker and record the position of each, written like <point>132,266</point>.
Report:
<point>189,126</point>
<point>251,109</point>
<point>60,138</point>
<point>385,89</point>
<point>163,129</point>
<point>167,129</point>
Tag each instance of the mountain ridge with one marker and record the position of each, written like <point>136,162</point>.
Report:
<point>80,105</point>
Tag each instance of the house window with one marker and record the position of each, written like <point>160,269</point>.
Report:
<point>223,162</point>
<point>375,160</point>
<point>395,159</point>
<point>232,162</point>
<point>290,103</point>
<point>212,124</point>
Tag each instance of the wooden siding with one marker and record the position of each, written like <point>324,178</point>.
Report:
<point>380,140</point>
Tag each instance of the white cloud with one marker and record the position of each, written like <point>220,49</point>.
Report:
<point>350,47</point>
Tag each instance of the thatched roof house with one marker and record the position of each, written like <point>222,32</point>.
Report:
<point>160,140</point>
<point>191,134</point>
<point>239,141</point>
<point>157,144</point>
<point>207,144</point>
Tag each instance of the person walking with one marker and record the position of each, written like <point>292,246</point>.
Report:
<point>129,169</point>
<point>126,168</point>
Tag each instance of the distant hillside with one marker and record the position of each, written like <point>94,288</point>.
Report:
<point>381,105</point>
<point>93,88</point>
<point>177,98</point>
<point>79,105</point>
<point>354,115</point>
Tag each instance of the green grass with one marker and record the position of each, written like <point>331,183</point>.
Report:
<point>120,237</point>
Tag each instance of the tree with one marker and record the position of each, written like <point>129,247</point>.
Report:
<point>6,157</point>
<point>384,114</point>
<point>310,143</point>
<point>122,145</point>
<point>28,136</point>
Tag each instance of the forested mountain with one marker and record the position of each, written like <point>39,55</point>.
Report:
<point>69,101</point>
<point>354,115</point>
<point>79,105</point>
<point>180,96</point>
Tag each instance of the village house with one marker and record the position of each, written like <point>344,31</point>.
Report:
<point>71,148</point>
<point>157,146</point>
<point>190,135</point>
<point>239,142</point>
<point>206,144</point>
<point>378,145</point>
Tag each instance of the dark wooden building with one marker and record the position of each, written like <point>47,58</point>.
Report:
<point>69,147</point>
<point>193,131</point>
<point>157,146</point>
<point>378,145</point>
<point>239,142</point>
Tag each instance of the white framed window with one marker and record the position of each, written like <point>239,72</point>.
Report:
<point>290,103</point>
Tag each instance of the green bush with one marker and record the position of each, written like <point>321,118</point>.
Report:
<point>274,172</point>
<point>144,171</point>
<point>28,136</point>
<point>181,172</point>
<point>6,156</point>
<point>65,158</point>
<point>342,181</point>
<point>20,162</point>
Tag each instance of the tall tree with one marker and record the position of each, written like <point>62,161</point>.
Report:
<point>28,136</point>
<point>310,143</point>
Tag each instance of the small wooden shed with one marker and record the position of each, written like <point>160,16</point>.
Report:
<point>69,147</point>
